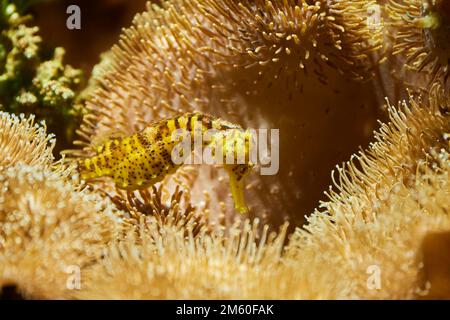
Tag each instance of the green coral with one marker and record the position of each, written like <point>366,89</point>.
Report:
<point>33,79</point>
<point>53,84</point>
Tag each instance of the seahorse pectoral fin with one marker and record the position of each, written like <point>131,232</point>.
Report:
<point>237,186</point>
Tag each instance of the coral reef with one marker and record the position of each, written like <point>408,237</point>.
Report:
<point>385,202</point>
<point>233,61</point>
<point>316,70</point>
<point>33,78</point>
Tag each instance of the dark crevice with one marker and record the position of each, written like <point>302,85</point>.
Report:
<point>10,292</point>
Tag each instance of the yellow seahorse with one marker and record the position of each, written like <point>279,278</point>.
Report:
<point>145,158</point>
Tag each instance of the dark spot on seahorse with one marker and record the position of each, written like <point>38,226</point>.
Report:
<point>143,140</point>
<point>207,123</point>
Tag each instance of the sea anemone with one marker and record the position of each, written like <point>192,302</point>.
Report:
<point>47,229</point>
<point>167,264</point>
<point>47,223</point>
<point>23,141</point>
<point>422,29</point>
<point>382,229</point>
<point>170,51</point>
<point>387,201</point>
<point>377,235</point>
<point>242,61</point>
<point>147,209</point>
